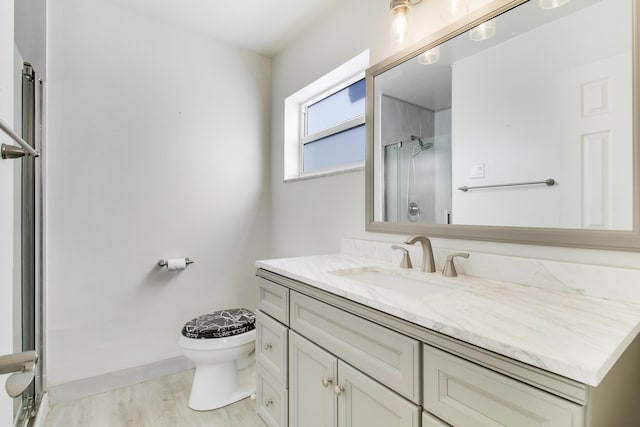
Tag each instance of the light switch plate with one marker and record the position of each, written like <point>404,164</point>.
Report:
<point>477,171</point>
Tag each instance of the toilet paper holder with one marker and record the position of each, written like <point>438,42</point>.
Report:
<point>163,262</point>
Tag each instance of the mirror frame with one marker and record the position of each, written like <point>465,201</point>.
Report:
<point>579,238</point>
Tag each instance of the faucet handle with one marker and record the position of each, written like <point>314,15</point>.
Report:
<point>406,258</point>
<point>449,269</point>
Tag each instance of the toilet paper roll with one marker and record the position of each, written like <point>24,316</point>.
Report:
<point>174,264</point>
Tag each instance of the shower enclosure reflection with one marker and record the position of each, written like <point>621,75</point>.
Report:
<point>417,162</point>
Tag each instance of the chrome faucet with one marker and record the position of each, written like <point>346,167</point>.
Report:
<point>449,269</point>
<point>406,258</point>
<point>427,251</point>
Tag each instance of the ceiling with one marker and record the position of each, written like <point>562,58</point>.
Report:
<point>263,26</point>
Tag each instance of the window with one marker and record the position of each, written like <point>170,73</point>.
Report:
<point>334,129</point>
<point>325,123</point>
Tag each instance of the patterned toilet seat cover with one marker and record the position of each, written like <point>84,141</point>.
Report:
<point>220,324</point>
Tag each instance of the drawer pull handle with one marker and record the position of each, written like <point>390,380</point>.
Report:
<point>326,382</point>
<point>267,346</point>
<point>268,402</point>
<point>338,390</point>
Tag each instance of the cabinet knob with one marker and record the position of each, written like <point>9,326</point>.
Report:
<point>338,389</point>
<point>326,382</point>
<point>268,402</point>
<point>267,346</point>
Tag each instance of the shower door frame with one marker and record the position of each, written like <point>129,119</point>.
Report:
<point>31,243</point>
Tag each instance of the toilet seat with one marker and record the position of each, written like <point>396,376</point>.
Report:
<point>220,324</point>
<point>217,343</point>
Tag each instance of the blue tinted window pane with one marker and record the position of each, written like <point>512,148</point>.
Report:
<point>337,108</point>
<point>335,150</point>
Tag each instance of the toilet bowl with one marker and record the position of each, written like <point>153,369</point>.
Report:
<point>219,344</point>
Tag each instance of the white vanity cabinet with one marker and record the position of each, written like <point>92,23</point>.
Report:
<point>327,392</point>
<point>340,363</point>
<point>272,319</point>
<point>329,368</point>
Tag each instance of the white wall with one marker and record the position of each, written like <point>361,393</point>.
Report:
<point>7,203</point>
<point>30,33</point>
<point>157,144</point>
<point>310,217</point>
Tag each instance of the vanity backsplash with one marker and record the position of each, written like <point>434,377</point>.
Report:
<point>622,284</point>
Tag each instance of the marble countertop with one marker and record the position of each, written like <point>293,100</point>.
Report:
<point>572,335</point>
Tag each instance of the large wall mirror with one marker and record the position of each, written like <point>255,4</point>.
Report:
<point>519,124</point>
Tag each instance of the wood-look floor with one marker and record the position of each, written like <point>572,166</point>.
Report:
<point>157,403</point>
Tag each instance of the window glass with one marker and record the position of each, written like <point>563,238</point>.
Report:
<point>338,149</point>
<point>337,108</point>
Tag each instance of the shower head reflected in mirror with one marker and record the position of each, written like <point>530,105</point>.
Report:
<point>413,209</point>
<point>423,145</point>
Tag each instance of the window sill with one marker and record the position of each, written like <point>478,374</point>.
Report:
<point>355,167</point>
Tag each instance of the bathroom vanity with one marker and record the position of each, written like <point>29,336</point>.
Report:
<point>349,341</point>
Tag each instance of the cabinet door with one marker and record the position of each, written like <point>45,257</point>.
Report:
<point>312,379</point>
<point>363,402</point>
<point>429,420</point>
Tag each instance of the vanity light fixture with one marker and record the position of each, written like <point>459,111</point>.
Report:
<point>400,22</point>
<point>484,31</point>
<point>430,57</point>
<point>552,4</point>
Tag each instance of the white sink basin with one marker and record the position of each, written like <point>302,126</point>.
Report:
<point>408,282</point>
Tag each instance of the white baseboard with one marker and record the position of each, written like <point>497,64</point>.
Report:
<point>43,411</point>
<point>113,380</point>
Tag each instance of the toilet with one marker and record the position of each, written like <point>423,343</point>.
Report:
<point>220,344</point>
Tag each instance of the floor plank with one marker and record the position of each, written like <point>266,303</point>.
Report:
<point>157,403</point>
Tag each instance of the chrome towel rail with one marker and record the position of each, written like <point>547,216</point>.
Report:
<point>12,152</point>
<point>548,182</point>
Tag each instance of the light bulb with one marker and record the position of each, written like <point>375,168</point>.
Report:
<point>552,4</point>
<point>457,9</point>
<point>484,31</point>
<point>400,25</point>
<point>430,57</point>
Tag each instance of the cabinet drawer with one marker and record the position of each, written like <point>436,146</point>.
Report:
<point>391,358</point>
<point>465,394</point>
<point>273,299</point>
<point>271,347</point>
<point>271,400</point>
<point>429,420</point>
